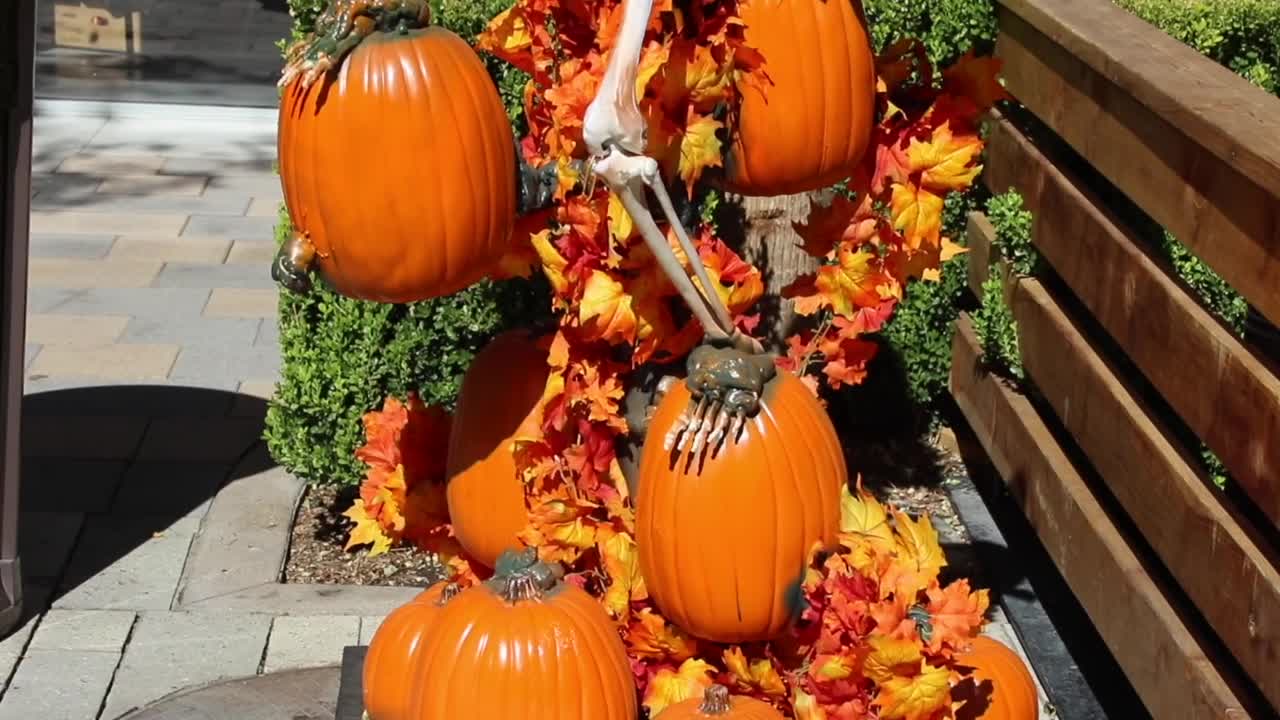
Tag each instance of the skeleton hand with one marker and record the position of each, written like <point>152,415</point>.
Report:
<point>726,385</point>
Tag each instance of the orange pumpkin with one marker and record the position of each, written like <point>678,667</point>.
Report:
<point>809,125</point>
<point>524,644</point>
<point>394,650</point>
<point>499,401</point>
<point>724,539</point>
<point>999,686</point>
<point>398,168</point>
<point>716,702</point>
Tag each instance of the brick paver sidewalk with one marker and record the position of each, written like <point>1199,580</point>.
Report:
<point>151,337</point>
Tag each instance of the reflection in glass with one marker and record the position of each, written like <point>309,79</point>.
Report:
<point>209,52</point>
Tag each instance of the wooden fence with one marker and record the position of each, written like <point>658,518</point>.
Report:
<point>1179,577</point>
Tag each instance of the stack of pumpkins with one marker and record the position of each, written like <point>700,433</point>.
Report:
<point>385,223</point>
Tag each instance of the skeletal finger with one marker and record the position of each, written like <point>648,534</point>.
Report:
<point>716,440</point>
<point>739,422</point>
<point>704,427</point>
<point>695,423</point>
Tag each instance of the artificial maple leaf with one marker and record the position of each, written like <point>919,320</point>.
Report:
<point>757,676</point>
<point>918,546</point>
<point>621,227</point>
<point>605,309</point>
<point>845,287</point>
<point>367,530</point>
<point>834,667</point>
<point>699,148</point>
<point>863,519</point>
<point>917,213</point>
<point>669,687</point>
<point>946,161</point>
<point>826,226</point>
<point>650,636</point>
<point>553,263</point>
<point>693,75</point>
<point>891,657</point>
<point>975,78</point>
<point>806,706</point>
<point>915,697</point>
<point>620,561</point>
<point>955,613</point>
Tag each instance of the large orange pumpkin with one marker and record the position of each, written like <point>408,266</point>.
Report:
<point>999,686</point>
<point>499,401</point>
<point>810,126</point>
<point>398,167</point>
<point>523,644</point>
<point>394,650</point>
<point>724,539</point>
<point>716,702</point>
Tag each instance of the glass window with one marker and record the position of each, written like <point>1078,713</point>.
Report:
<point>208,52</point>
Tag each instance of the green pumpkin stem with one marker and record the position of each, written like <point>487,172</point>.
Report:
<point>715,701</point>
<point>521,576</point>
<point>342,26</point>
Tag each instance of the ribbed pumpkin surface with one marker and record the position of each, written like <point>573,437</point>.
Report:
<point>558,658</point>
<point>723,543</point>
<point>498,401</point>
<point>1000,686</point>
<point>393,652</point>
<point>811,126</point>
<point>400,169</point>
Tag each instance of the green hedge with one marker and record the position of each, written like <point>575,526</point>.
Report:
<point>342,357</point>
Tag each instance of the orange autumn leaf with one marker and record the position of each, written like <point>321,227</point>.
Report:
<point>946,161</point>
<point>890,658</point>
<point>605,309</point>
<point>669,687</point>
<point>699,149</point>
<point>757,676</point>
<point>843,221</point>
<point>851,284</point>
<point>915,697</point>
<point>834,667</point>
<point>650,636</point>
<point>916,213</point>
<point>918,546</point>
<point>955,613</point>
<point>977,79</point>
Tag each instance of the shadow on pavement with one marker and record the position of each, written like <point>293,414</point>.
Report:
<point>115,482</point>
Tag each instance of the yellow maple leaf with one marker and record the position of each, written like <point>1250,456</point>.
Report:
<point>553,263</point>
<point>506,35</point>
<point>834,667</point>
<point>851,284</point>
<point>806,706</point>
<point>605,309</point>
<point>915,697</point>
<point>759,675</point>
<point>621,227</point>
<point>699,148</point>
<point>650,636</point>
<point>891,657</point>
<point>916,213</point>
<point>620,561</point>
<point>367,530</point>
<point>652,59</point>
<point>945,161</point>
<point>669,687</point>
<point>918,544</point>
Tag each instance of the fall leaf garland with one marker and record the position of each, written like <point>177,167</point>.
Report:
<point>880,629</point>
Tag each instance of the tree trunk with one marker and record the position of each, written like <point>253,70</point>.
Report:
<point>770,243</point>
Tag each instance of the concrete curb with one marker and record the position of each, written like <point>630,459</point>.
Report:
<point>237,558</point>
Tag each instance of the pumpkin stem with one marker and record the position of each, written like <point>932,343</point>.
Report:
<point>449,592</point>
<point>715,701</point>
<point>521,576</point>
<point>342,26</point>
<point>293,262</point>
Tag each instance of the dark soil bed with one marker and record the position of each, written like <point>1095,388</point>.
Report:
<point>316,552</point>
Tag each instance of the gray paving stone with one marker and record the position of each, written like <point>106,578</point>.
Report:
<point>154,184</point>
<point>126,563</point>
<point>244,538</point>
<point>169,304</point>
<point>368,626</point>
<point>248,228</point>
<point>83,630</point>
<point>69,245</point>
<point>200,439</point>
<point>96,223</point>
<point>191,275</point>
<point>215,166</point>
<point>182,131</point>
<point>59,685</point>
<point>108,163</point>
<point>45,542</point>
<point>262,185</point>
<point>13,645</point>
<point>204,330</point>
<point>310,599</point>
<point>171,651</point>
<point>224,363</point>
<point>309,641</point>
<point>171,489</point>
<point>60,183</point>
<point>213,202</point>
<point>63,485</point>
<point>268,333</point>
<point>114,361</point>
<point>92,397</point>
<point>309,694</point>
<point>82,437</point>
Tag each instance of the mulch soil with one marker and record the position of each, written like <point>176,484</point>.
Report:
<point>907,473</point>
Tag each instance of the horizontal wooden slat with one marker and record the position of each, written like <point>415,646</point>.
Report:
<point>1226,395</point>
<point>1222,201</point>
<point>1215,107</point>
<point>1160,654</point>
